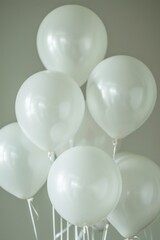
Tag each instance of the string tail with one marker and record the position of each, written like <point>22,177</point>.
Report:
<point>81,234</point>
<point>85,231</point>
<point>65,230</point>
<point>92,234</point>
<point>32,210</point>
<point>68,228</point>
<point>54,223</point>
<point>76,232</point>
<point>61,227</point>
<point>105,232</point>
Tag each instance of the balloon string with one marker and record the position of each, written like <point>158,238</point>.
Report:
<point>68,227</point>
<point>92,234</point>
<point>76,232</point>
<point>51,156</point>
<point>105,232</point>
<point>54,223</point>
<point>145,234</point>
<point>150,233</point>
<point>61,227</point>
<point>33,210</point>
<point>80,235</point>
<point>115,144</point>
<point>84,233</point>
<point>87,231</point>
<point>64,230</point>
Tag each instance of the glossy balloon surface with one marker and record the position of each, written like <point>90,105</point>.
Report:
<point>89,134</point>
<point>49,109</point>
<point>23,167</point>
<point>84,185</point>
<point>121,94</point>
<point>139,203</point>
<point>72,39</point>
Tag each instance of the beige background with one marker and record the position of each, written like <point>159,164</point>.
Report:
<point>133,29</point>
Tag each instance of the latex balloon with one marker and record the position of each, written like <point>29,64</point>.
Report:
<point>89,133</point>
<point>23,167</point>
<point>49,109</point>
<point>121,94</point>
<point>84,185</point>
<point>72,39</point>
<point>139,203</point>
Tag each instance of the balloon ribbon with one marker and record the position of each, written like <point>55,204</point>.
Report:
<point>32,210</point>
<point>105,232</point>
<point>64,230</point>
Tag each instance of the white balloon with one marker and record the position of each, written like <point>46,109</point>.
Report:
<point>49,109</point>
<point>121,94</point>
<point>90,134</point>
<point>72,39</point>
<point>139,203</point>
<point>23,167</point>
<point>84,185</point>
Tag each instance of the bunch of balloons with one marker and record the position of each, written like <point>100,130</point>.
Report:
<point>85,184</point>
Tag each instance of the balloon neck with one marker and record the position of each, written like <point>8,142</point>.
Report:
<point>115,143</point>
<point>51,156</point>
<point>107,225</point>
<point>133,238</point>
